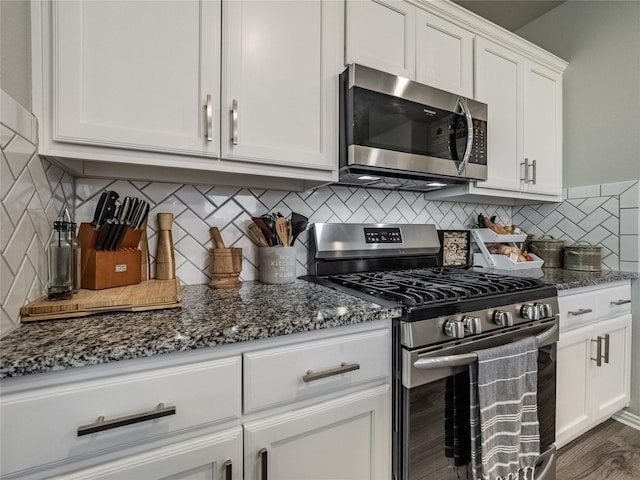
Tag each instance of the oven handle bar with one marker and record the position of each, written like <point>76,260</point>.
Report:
<point>468,358</point>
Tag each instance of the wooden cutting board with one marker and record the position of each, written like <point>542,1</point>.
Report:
<point>147,295</point>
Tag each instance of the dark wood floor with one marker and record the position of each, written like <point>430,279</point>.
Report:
<point>610,451</point>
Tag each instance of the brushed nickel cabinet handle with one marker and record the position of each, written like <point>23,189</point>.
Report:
<point>343,368</point>
<point>580,311</point>
<point>620,302</point>
<point>102,424</point>
<point>209,108</point>
<point>234,119</point>
<point>263,454</point>
<point>606,348</point>
<point>526,171</point>
<point>228,470</point>
<point>535,172</point>
<point>598,358</point>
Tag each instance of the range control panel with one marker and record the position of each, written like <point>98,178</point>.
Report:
<point>382,235</point>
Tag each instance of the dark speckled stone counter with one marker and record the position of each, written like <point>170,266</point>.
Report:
<point>208,318</point>
<point>567,279</point>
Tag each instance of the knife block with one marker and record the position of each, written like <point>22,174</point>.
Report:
<point>109,268</point>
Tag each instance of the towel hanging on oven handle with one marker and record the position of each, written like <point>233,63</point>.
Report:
<point>449,361</point>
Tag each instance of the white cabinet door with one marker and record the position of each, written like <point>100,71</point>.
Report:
<point>611,384</point>
<point>280,82</point>
<point>573,384</point>
<point>444,54</point>
<point>499,83</point>
<point>136,74</point>
<point>543,129</point>
<point>345,439</point>
<point>381,34</point>
<point>211,457</point>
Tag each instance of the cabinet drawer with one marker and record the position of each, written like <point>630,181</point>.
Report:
<point>40,426</point>
<point>281,375</point>
<point>613,301</point>
<point>576,310</point>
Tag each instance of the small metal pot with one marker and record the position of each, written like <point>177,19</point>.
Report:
<point>548,249</point>
<point>586,258</point>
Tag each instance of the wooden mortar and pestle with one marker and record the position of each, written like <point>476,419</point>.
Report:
<point>225,263</point>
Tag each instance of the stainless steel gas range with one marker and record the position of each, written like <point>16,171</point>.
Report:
<point>449,313</point>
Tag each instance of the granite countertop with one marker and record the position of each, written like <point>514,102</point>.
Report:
<point>214,317</point>
<point>208,318</point>
<point>568,279</point>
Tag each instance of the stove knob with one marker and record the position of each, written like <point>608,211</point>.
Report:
<point>472,324</point>
<point>454,328</point>
<point>545,310</point>
<point>530,312</point>
<point>503,318</point>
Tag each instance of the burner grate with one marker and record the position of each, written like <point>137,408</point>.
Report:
<point>432,286</point>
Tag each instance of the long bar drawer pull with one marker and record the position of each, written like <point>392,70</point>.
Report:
<point>101,424</point>
<point>343,368</point>
<point>580,311</point>
<point>620,302</point>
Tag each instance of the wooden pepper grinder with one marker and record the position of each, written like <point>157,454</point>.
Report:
<point>165,258</point>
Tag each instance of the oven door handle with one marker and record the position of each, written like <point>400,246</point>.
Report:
<point>449,361</point>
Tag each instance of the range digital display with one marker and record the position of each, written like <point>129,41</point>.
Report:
<point>382,235</point>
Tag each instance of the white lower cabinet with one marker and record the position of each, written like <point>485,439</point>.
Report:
<point>211,457</point>
<point>594,361</point>
<point>183,418</point>
<point>346,439</point>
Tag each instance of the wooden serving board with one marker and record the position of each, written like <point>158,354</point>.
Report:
<point>147,295</point>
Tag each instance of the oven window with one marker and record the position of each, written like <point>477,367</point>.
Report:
<point>423,423</point>
<point>391,123</point>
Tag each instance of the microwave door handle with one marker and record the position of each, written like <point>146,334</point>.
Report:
<point>448,361</point>
<point>464,108</point>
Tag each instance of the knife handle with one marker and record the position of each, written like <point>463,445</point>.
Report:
<point>99,208</point>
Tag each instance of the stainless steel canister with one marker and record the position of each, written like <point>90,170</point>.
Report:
<point>582,256</point>
<point>549,249</point>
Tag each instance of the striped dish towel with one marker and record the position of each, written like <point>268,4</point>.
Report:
<point>505,439</point>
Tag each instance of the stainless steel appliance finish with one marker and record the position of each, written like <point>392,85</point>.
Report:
<point>448,315</point>
<point>395,133</point>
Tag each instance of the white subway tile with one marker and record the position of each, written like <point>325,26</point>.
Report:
<point>583,192</point>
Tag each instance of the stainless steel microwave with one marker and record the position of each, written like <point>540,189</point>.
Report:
<point>396,133</point>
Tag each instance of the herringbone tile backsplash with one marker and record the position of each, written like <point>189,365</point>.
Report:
<point>196,208</point>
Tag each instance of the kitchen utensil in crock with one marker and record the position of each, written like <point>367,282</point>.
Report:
<point>298,225</point>
<point>282,230</point>
<point>268,234</point>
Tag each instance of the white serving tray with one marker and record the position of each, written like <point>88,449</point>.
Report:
<point>505,263</point>
<point>489,236</point>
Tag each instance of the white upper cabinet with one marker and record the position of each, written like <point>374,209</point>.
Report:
<point>154,84</point>
<point>499,84</point>
<point>524,141</point>
<point>280,76</point>
<point>543,129</point>
<point>381,34</point>
<point>132,75</point>
<point>444,54</point>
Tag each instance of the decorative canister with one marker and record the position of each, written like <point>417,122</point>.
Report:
<point>549,249</point>
<point>277,264</point>
<point>582,256</point>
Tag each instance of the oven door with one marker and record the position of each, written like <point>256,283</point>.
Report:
<point>420,403</point>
